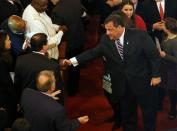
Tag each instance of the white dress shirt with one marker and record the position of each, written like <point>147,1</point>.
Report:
<point>41,23</point>
<point>162,3</point>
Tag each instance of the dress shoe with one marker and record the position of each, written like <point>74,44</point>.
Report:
<point>116,126</point>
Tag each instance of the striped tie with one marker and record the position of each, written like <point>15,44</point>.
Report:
<point>119,48</point>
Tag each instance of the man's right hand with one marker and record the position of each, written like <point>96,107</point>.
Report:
<point>83,119</point>
<point>67,62</point>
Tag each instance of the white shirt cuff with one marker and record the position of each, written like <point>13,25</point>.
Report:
<point>74,61</point>
<point>84,14</point>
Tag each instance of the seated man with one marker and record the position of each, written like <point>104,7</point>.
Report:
<point>49,115</point>
<point>29,65</point>
<point>15,26</point>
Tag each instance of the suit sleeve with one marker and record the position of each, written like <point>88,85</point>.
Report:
<point>152,54</point>
<point>62,123</point>
<point>92,53</point>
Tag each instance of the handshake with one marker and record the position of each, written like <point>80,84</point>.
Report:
<point>64,63</point>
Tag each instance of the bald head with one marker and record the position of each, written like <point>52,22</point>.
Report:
<point>45,80</point>
<point>16,24</point>
<point>40,5</point>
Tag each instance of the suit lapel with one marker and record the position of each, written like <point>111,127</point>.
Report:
<point>154,9</point>
<point>126,44</point>
<point>167,7</point>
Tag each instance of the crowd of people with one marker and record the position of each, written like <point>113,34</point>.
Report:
<point>138,46</point>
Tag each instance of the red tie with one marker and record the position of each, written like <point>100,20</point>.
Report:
<point>161,11</point>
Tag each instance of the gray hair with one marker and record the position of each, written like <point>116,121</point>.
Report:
<point>45,80</point>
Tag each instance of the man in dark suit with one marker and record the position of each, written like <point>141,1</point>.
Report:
<point>9,7</point>
<point>150,12</point>
<point>133,63</point>
<point>49,115</point>
<point>27,66</point>
<point>68,12</point>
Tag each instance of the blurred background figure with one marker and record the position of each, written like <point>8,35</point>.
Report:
<point>8,8</point>
<point>169,56</point>
<point>21,124</point>
<point>25,3</point>
<point>3,118</point>
<point>7,93</point>
<point>134,21</point>
<point>106,8</point>
<point>39,22</point>
<point>137,5</point>
<point>69,13</point>
<point>16,28</point>
<point>154,11</point>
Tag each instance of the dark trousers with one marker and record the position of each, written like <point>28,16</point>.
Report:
<point>148,104</point>
<point>161,96</point>
<point>115,107</point>
<point>73,74</point>
<point>173,101</point>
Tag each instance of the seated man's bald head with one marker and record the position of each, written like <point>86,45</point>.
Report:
<point>16,24</point>
<point>45,80</point>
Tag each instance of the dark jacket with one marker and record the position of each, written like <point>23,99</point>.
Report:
<point>49,115</point>
<point>140,64</point>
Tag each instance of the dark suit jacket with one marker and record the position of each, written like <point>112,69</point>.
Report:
<point>150,14</point>
<point>44,113</point>
<point>29,65</point>
<point>140,64</point>
<point>68,12</point>
<point>7,92</point>
<point>7,9</point>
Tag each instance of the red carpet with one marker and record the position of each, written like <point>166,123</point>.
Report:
<point>91,101</point>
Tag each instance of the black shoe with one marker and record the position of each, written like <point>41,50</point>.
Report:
<point>109,120</point>
<point>116,126</point>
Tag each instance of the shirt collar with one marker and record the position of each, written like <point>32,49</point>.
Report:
<point>121,38</point>
<point>39,52</point>
<point>46,94</point>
